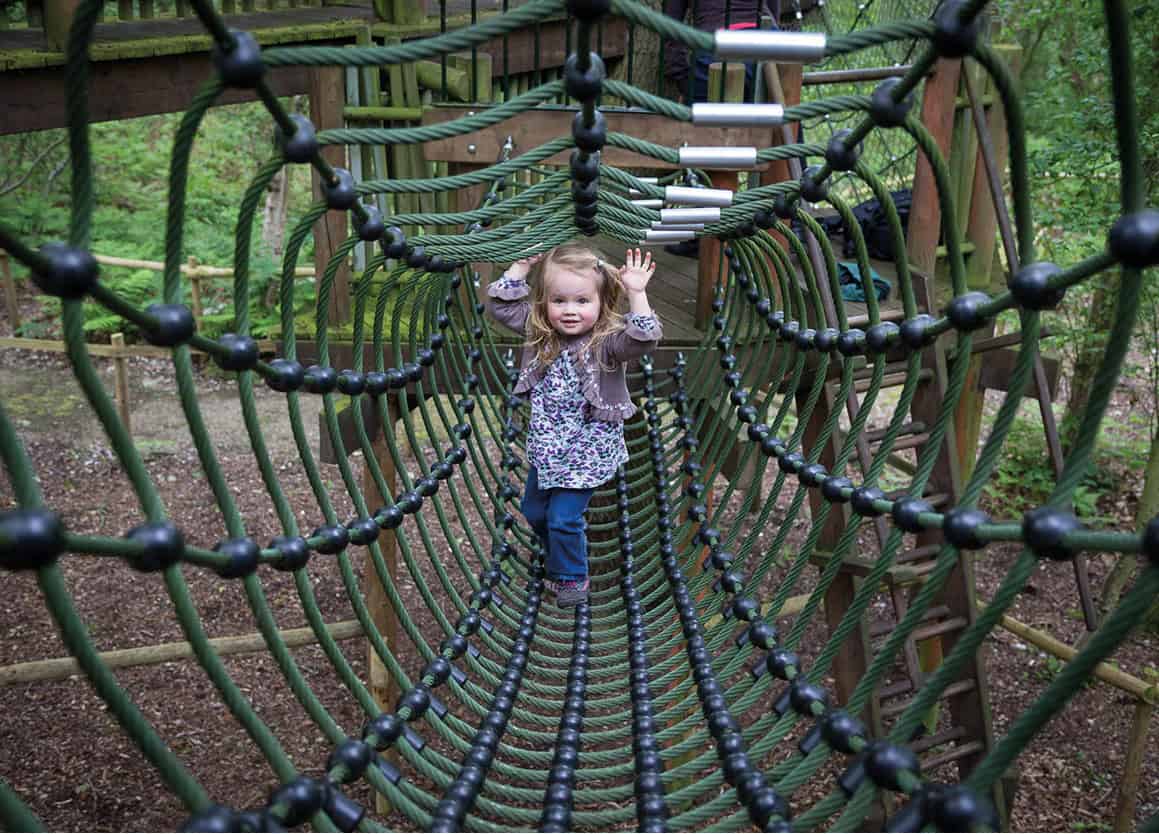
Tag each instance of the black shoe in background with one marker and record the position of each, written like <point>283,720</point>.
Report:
<point>684,249</point>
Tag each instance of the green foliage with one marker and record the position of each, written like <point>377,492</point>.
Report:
<point>131,161</point>
<point>1024,477</point>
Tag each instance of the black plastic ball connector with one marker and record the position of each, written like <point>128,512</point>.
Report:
<point>885,762</point>
<point>803,695</point>
<point>239,353</point>
<point>363,531</point>
<point>585,167</point>
<point>394,243</point>
<point>1134,239</point>
<point>416,257</point>
<point>174,325</point>
<point>883,110</point>
<point>389,518</point>
<point>965,311</point>
<point>960,527</point>
<point>1045,529</point>
<point>302,145</point>
<point>320,379</point>
<point>243,556</point>
<point>839,729</point>
<point>585,192</point>
<point>589,138</point>
<point>589,11</point>
<point>353,756</point>
<point>293,553</point>
<point>954,38</point>
<point>339,193</point>
<point>915,331</point>
<point>839,154</point>
<point>906,511</point>
<point>240,63</point>
<point>334,539</point>
<point>1029,286</point>
<point>880,337</point>
<point>826,340</point>
<point>373,226</point>
<point>813,188</point>
<point>863,501</point>
<point>851,342</point>
<point>285,375</point>
<point>69,273</point>
<point>959,808</point>
<point>213,819</point>
<point>351,383</point>
<point>163,543</point>
<point>833,489</point>
<point>785,206</point>
<point>30,538</point>
<point>580,84</point>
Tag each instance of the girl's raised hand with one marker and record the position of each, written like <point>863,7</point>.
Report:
<point>637,270</point>
<point>521,267</point>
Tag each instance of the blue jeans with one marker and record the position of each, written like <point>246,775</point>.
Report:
<point>557,517</point>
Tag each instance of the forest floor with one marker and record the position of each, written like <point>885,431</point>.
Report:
<point>61,751</point>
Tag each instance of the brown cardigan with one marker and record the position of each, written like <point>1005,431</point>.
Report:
<point>606,391</point>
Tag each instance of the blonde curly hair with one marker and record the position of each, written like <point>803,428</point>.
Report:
<point>580,259</point>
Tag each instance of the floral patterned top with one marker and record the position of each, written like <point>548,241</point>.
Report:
<point>567,448</point>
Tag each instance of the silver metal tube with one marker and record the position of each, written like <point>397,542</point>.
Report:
<point>737,114</point>
<point>661,226</point>
<point>769,45</point>
<point>653,236</point>
<point>632,192</point>
<point>706,214</point>
<point>653,204</point>
<point>718,157</point>
<point>685,195</point>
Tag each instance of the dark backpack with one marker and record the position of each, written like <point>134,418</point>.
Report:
<point>874,224</point>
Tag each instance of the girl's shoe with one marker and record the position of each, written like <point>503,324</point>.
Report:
<point>569,594</point>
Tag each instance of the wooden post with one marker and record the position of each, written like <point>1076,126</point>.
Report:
<point>327,98</point>
<point>925,213</point>
<point>1129,784</point>
<point>121,380</point>
<point>10,293</point>
<point>401,11</point>
<point>383,687</point>
<point>58,15</point>
<point>195,291</point>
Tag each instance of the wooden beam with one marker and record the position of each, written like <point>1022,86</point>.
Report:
<point>327,98</point>
<point>536,127</point>
<point>34,99</point>
<point>925,213</point>
<point>62,668</point>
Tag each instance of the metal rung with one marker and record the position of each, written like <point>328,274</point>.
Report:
<point>737,114</point>
<point>718,157</point>
<point>949,692</point>
<point>769,45</point>
<point>683,195</point>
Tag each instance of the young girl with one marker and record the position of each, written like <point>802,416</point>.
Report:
<point>578,344</point>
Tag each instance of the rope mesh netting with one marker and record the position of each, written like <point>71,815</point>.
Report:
<point>646,707</point>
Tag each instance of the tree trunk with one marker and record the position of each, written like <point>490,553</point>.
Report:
<point>1089,353</point>
<point>274,216</point>
<point>645,48</point>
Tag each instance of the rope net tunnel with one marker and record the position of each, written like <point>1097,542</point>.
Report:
<point>693,691</point>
